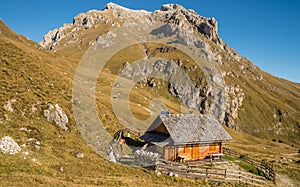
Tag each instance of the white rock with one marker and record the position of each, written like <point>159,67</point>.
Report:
<point>8,145</point>
<point>8,107</point>
<point>55,114</point>
<point>25,153</point>
<point>79,155</point>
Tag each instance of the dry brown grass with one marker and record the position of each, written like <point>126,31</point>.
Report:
<point>34,76</point>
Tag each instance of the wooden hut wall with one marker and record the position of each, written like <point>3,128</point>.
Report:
<point>190,151</point>
<point>170,153</point>
<point>207,149</point>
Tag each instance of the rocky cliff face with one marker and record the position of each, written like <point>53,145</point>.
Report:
<point>116,16</point>
<point>179,85</point>
<point>248,90</point>
<point>188,19</point>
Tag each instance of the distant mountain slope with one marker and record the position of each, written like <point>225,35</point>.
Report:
<point>31,78</point>
<point>34,75</point>
<point>257,102</point>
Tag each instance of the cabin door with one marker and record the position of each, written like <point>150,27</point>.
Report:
<point>169,154</point>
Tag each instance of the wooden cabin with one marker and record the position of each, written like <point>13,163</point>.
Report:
<point>186,136</point>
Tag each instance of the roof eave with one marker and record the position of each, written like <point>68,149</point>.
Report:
<point>203,142</point>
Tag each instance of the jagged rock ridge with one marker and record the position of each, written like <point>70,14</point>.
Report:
<point>242,77</point>
<point>116,16</point>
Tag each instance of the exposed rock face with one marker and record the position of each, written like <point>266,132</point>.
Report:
<point>115,16</point>
<point>179,85</point>
<point>55,114</point>
<point>9,146</point>
<point>52,38</point>
<point>234,100</point>
<point>188,19</point>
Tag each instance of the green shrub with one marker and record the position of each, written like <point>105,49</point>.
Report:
<point>228,158</point>
<point>251,169</point>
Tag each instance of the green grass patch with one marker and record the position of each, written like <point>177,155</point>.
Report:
<point>251,169</point>
<point>227,157</point>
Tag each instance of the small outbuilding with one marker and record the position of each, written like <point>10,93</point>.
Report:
<point>186,136</point>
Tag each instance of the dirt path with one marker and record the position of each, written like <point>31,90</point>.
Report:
<point>283,180</point>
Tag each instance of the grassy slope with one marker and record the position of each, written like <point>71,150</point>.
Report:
<point>34,77</point>
<point>57,146</point>
<point>263,99</point>
<point>273,152</point>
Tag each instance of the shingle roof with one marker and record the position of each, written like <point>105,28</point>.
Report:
<point>188,128</point>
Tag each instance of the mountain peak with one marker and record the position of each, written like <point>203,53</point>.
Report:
<point>169,7</point>
<point>112,5</point>
<point>114,15</point>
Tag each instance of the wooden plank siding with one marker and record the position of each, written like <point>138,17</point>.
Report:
<point>192,151</point>
<point>169,153</point>
<point>195,152</point>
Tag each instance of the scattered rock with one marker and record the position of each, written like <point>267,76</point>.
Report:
<point>145,158</point>
<point>111,155</point>
<point>8,145</point>
<point>25,154</point>
<point>79,155</point>
<point>33,108</point>
<point>37,143</point>
<point>25,129</point>
<point>55,114</point>
<point>8,106</point>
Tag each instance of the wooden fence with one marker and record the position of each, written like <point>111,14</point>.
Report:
<point>264,166</point>
<point>214,174</point>
<point>245,177</point>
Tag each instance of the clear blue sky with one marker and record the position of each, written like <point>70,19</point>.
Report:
<point>265,31</point>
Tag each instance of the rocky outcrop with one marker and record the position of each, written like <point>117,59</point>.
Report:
<point>55,114</point>
<point>195,96</point>
<point>199,97</point>
<point>115,16</point>
<point>8,106</point>
<point>234,100</point>
<point>146,158</point>
<point>188,19</point>
<point>9,146</point>
<point>52,38</point>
